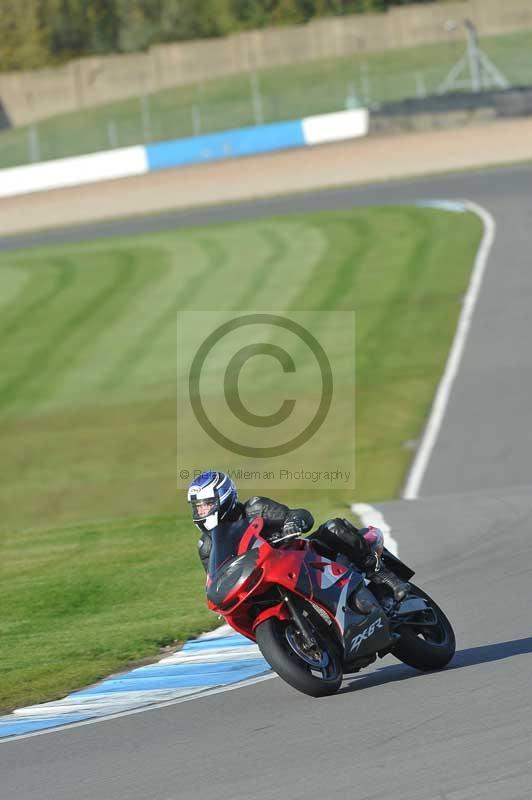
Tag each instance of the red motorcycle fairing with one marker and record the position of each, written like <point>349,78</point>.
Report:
<point>242,583</point>
<point>278,611</point>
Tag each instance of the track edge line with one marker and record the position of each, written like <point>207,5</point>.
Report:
<point>439,405</point>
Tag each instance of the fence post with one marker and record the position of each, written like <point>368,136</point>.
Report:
<point>365,82</point>
<point>351,97</point>
<point>196,120</point>
<point>145,117</point>
<point>256,99</point>
<point>112,134</point>
<point>34,144</point>
<point>421,87</point>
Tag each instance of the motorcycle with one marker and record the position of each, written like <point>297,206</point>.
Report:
<point>314,618</point>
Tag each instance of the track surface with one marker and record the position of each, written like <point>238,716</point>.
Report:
<point>461,734</point>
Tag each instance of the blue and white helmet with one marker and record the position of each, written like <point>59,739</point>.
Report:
<point>212,496</point>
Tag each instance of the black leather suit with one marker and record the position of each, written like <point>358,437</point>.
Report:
<point>334,536</point>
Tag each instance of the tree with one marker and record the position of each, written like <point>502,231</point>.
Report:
<point>288,12</point>
<point>34,33</point>
<point>103,23</point>
<point>68,28</point>
<point>23,35</point>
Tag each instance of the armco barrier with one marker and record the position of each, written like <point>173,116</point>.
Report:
<point>129,161</point>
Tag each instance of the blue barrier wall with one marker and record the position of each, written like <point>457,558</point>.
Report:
<point>226,144</point>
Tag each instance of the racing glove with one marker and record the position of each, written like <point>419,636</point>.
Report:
<point>298,520</point>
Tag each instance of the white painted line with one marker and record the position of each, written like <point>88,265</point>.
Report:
<point>370,515</point>
<point>439,406</point>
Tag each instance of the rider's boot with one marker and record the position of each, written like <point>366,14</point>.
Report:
<point>382,576</point>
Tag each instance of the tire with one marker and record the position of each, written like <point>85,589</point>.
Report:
<point>278,643</point>
<point>426,648</point>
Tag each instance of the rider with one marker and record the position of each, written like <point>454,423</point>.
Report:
<point>213,499</point>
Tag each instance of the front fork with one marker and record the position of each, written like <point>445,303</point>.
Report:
<point>299,619</point>
<point>284,610</point>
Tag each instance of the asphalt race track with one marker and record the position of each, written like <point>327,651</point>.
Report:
<point>391,733</point>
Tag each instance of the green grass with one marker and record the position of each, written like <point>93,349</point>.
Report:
<point>287,92</point>
<point>96,571</point>
<point>84,601</point>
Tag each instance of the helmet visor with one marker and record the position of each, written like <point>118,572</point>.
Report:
<point>201,509</point>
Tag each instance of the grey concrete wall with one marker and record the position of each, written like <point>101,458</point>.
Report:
<point>87,82</point>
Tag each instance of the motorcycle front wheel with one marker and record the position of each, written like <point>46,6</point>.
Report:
<point>314,669</point>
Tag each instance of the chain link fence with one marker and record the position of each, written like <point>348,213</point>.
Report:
<point>247,100</point>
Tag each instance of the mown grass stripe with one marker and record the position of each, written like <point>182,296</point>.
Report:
<point>26,310</point>
<point>278,248</point>
<point>217,260</point>
<point>122,322</point>
<point>384,325</point>
<point>54,355</point>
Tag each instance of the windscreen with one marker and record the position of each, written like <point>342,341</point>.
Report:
<point>225,540</point>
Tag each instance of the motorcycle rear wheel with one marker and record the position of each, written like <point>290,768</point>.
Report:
<point>314,671</point>
<point>426,648</point>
